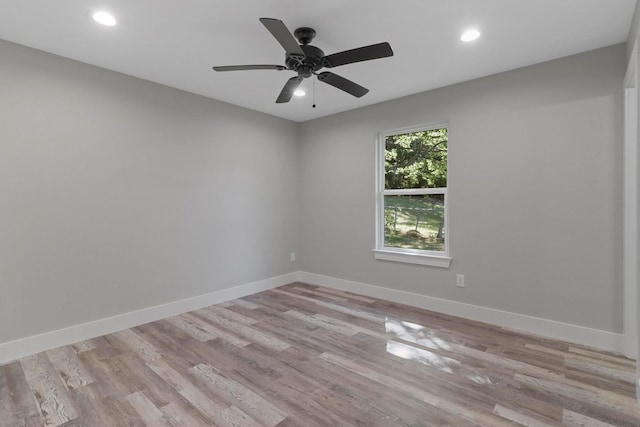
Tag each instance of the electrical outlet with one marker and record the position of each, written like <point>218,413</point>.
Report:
<point>293,257</point>
<point>460,280</point>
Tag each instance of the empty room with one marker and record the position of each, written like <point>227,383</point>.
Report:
<point>319,213</point>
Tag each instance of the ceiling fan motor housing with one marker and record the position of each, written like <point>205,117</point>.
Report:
<point>310,64</point>
<point>304,35</point>
<point>313,55</point>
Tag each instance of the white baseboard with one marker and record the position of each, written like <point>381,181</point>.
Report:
<point>13,350</point>
<point>605,340</point>
<point>564,331</point>
<point>630,346</point>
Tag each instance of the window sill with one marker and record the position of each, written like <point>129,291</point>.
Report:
<point>421,259</point>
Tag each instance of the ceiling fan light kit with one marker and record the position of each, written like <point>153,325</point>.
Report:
<point>307,60</point>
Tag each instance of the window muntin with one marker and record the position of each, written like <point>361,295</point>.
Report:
<point>412,191</point>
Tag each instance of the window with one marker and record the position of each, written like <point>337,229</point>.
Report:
<point>411,214</point>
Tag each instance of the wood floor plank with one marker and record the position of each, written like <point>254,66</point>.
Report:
<point>95,410</point>
<point>354,311</point>
<point>53,400</point>
<point>288,383</point>
<point>599,355</point>
<point>622,410</point>
<point>181,414</point>
<point>435,343</point>
<point>83,346</point>
<point>352,411</point>
<point>385,403</point>
<point>148,412</point>
<point>69,367</point>
<point>518,417</point>
<point>244,331</point>
<point>246,304</point>
<point>218,332</point>
<point>127,414</point>
<point>18,405</point>
<point>347,295</point>
<point>6,401</point>
<point>192,327</point>
<point>231,315</point>
<point>617,368</point>
<point>572,419</point>
<point>100,369</point>
<point>584,392</point>
<point>242,398</point>
<point>304,355</point>
<point>601,370</point>
<point>138,345</point>
<point>314,293</point>
<point>140,377</point>
<point>327,323</point>
<point>188,390</point>
<point>461,411</point>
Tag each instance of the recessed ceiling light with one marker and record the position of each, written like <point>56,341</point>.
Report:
<point>105,18</point>
<point>470,35</point>
<point>299,92</point>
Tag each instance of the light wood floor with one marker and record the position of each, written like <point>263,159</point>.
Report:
<point>308,356</point>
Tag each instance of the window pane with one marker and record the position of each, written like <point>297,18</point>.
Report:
<point>414,222</point>
<point>416,160</point>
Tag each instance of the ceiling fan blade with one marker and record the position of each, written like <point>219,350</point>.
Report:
<point>249,67</point>
<point>288,89</point>
<point>366,53</point>
<point>343,84</point>
<point>284,37</point>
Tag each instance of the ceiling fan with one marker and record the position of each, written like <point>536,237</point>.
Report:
<point>307,60</point>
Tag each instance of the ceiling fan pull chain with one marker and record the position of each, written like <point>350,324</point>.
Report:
<point>314,91</point>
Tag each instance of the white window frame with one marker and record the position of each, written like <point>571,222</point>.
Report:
<point>412,256</point>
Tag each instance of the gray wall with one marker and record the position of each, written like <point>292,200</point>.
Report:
<point>534,184</point>
<point>634,31</point>
<point>118,194</point>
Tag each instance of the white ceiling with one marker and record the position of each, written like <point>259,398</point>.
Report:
<point>175,43</point>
